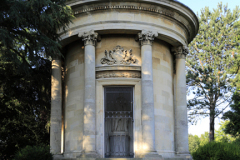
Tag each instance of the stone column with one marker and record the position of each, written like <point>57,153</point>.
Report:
<point>89,133</point>
<point>181,121</point>
<point>148,124</point>
<point>56,107</point>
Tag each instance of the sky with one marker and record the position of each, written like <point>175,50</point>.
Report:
<point>196,6</point>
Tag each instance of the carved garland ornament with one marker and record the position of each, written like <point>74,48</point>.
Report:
<point>118,74</point>
<point>118,51</point>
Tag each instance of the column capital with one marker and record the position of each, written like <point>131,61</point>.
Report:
<point>180,52</point>
<point>89,37</point>
<point>146,37</point>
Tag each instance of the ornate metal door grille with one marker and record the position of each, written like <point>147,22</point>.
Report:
<point>118,122</point>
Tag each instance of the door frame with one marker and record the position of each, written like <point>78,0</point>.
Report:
<point>132,106</point>
<point>100,112</point>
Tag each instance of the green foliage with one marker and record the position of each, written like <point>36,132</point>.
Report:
<point>25,107</point>
<point>194,142</point>
<point>29,30</point>
<point>34,152</point>
<point>217,151</point>
<point>233,127</point>
<point>212,56</point>
<point>221,136</point>
<point>204,138</point>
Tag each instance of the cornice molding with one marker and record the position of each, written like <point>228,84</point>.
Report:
<point>130,7</point>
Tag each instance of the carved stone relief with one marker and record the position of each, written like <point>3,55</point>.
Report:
<point>118,56</point>
<point>118,74</point>
<point>108,58</point>
<point>128,57</point>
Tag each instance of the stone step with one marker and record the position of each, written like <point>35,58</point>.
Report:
<point>119,159</point>
<point>98,159</point>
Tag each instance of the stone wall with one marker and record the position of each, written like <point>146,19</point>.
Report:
<point>74,97</point>
<point>163,98</point>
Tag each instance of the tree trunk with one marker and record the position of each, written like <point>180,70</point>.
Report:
<point>211,129</point>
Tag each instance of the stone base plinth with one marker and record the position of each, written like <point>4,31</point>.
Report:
<point>184,156</point>
<point>152,156</point>
<point>149,158</point>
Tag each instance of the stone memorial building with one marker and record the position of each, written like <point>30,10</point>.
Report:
<point>119,91</point>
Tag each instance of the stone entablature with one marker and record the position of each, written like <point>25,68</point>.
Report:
<point>173,11</point>
<point>159,10</point>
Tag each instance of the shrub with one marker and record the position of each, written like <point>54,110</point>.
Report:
<point>217,151</point>
<point>34,153</point>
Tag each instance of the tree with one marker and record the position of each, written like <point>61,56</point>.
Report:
<point>29,30</point>
<point>28,38</point>
<point>25,107</point>
<point>221,136</point>
<point>211,55</point>
<point>233,127</point>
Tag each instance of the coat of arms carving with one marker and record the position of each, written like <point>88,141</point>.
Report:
<point>118,55</point>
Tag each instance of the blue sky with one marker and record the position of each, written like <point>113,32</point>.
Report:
<point>196,5</point>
